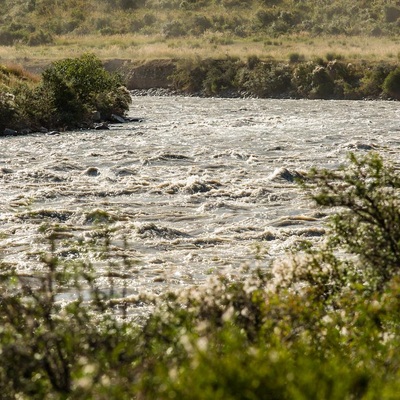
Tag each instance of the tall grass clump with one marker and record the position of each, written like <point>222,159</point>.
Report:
<point>322,323</point>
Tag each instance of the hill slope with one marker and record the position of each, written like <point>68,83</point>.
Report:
<point>39,21</point>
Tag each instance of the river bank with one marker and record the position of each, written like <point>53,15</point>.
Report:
<point>329,78</point>
<point>30,103</point>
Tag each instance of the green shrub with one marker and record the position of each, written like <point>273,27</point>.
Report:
<point>7,110</point>
<point>220,76</point>
<point>66,97</point>
<point>200,24</point>
<point>369,226</point>
<point>81,85</point>
<point>322,84</point>
<point>265,17</point>
<point>35,107</point>
<point>9,36</point>
<point>267,79</point>
<point>391,84</point>
<point>38,38</point>
<point>392,13</point>
<point>296,58</point>
<point>208,77</point>
<point>373,79</point>
<point>173,29</point>
<point>51,349</point>
<point>302,78</point>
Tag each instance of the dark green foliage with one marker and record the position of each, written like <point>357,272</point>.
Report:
<point>392,13</point>
<point>374,78</point>
<point>85,76</point>
<point>35,107</point>
<point>48,348</point>
<point>66,97</point>
<point>220,76</point>
<point>208,77</point>
<point>174,29</point>
<point>267,79</point>
<point>296,57</point>
<point>7,110</point>
<point>322,83</point>
<point>319,79</point>
<point>12,34</point>
<point>370,225</point>
<point>391,85</point>
<point>80,86</point>
<point>38,38</point>
<point>24,33</point>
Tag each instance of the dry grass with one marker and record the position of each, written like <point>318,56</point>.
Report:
<point>134,47</point>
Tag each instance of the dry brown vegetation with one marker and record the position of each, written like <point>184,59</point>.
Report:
<point>145,48</point>
<point>46,30</point>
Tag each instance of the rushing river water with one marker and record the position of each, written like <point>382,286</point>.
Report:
<point>200,187</point>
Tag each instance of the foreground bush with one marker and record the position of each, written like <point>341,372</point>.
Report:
<point>322,324</point>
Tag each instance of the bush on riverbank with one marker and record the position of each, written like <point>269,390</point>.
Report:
<point>68,94</point>
<point>323,323</point>
<point>71,90</point>
<point>318,79</point>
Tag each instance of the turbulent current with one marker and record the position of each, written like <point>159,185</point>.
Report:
<point>200,187</point>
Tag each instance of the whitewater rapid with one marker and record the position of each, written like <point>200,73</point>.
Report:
<point>199,188</point>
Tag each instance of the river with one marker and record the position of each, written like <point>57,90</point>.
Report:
<point>199,188</point>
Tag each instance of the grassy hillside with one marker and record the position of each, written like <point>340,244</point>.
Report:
<point>38,21</point>
<point>48,30</point>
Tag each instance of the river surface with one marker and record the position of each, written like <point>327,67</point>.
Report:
<point>200,187</point>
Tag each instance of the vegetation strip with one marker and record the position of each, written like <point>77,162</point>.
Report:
<point>79,92</point>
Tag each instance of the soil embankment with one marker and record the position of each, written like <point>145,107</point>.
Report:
<point>138,75</point>
<point>230,77</point>
<point>143,75</point>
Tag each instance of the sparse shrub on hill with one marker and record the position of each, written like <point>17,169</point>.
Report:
<point>174,29</point>
<point>39,38</point>
<point>392,13</point>
<point>12,34</point>
<point>276,17</point>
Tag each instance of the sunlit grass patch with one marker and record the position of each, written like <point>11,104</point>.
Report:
<point>207,45</point>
